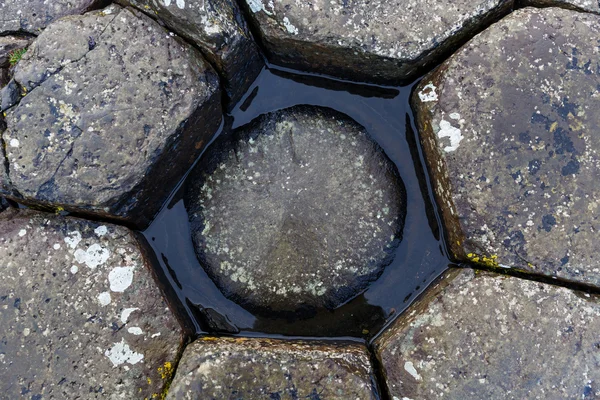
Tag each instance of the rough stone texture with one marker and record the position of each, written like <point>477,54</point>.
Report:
<point>509,129</point>
<point>219,30</point>
<point>300,210</point>
<point>80,313</point>
<point>271,369</point>
<point>34,15</point>
<point>580,5</point>
<point>488,336</point>
<point>379,41</point>
<point>107,114</point>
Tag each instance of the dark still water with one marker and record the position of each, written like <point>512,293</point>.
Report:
<point>420,258</point>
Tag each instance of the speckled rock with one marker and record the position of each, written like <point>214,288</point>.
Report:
<point>579,5</point>
<point>301,209</point>
<point>219,30</point>
<point>488,336</point>
<point>107,113</point>
<point>80,313</point>
<point>33,15</point>
<point>377,41</point>
<point>272,369</point>
<point>509,129</point>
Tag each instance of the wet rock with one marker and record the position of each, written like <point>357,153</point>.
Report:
<point>108,112</point>
<point>513,147</point>
<point>219,30</point>
<point>373,41</point>
<point>10,95</point>
<point>490,336</point>
<point>34,15</point>
<point>300,210</point>
<point>80,313</point>
<point>580,5</point>
<point>3,204</point>
<point>225,368</point>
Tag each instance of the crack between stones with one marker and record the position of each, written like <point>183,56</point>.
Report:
<point>519,5</point>
<point>380,379</point>
<point>535,277</point>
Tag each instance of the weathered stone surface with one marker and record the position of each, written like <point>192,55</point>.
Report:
<point>219,30</point>
<point>378,41</point>
<point>509,128</point>
<point>580,5</point>
<point>487,336</point>
<point>272,369</point>
<point>34,15</point>
<point>301,209</point>
<point>80,313</point>
<point>108,113</point>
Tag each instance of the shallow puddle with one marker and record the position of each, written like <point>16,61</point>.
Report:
<point>420,258</point>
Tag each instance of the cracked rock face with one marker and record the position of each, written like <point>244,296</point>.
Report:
<point>219,29</point>
<point>32,16</point>
<point>226,368</point>
<point>513,148</point>
<point>375,41</point>
<point>580,5</point>
<point>301,209</point>
<point>80,313</point>
<point>488,336</point>
<point>106,114</point>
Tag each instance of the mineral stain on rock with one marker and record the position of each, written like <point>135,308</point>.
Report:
<point>298,210</point>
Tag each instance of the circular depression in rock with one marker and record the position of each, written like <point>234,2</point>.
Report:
<point>300,209</point>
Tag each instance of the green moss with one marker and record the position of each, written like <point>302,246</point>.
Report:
<point>15,56</point>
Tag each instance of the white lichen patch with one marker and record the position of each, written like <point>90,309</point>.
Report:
<point>428,93</point>
<point>72,239</point>
<point>94,256</point>
<point>14,143</point>
<point>410,368</point>
<point>104,299</point>
<point>121,353</point>
<point>451,132</point>
<point>126,313</point>
<point>135,330</point>
<point>101,230</point>
<point>120,278</point>
<point>289,27</point>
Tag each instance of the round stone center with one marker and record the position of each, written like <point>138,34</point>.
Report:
<point>299,209</point>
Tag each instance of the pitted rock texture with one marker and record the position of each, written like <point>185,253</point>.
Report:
<point>509,128</point>
<point>300,209</point>
<point>375,41</point>
<point>80,313</point>
<point>108,113</point>
<point>34,15</point>
<point>225,368</point>
<point>489,336</point>
<point>580,5</point>
<point>219,30</point>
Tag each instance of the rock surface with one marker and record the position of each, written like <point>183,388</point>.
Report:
<point>224,368</point>
<point>376,41</point>
<point>3,204</point>
<point>80,313</point>
<point>33,15</point>
<point>301,209</point>
<point>488,336</point>
<point>219,30</point>
<point>107,114</point>
<point>580,5</point>
<point>513,147</point>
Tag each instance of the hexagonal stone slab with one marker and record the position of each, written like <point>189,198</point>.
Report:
<point>33,15</point>
<point>376,41</point>
<point>219,29</point>
<point>107,113</point>
<point>300,210</point>
<point>80,313</point>
<point>580,5</point>
<point>226,368</point>
<point>513,148</point>
<point>476,336</point>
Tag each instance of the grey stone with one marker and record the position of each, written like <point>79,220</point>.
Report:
<point>3,204</point>
<point>376,41</point>
<point>34,15</point>
<point>80,313</point>
<point>580,5</point>
<point>109,111</point>
<point>509,129</point>
<point>219,30</point>
<point>487,336</point>
<point>226,368</point>
<point>10,95</point>
<point>301,209</point>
